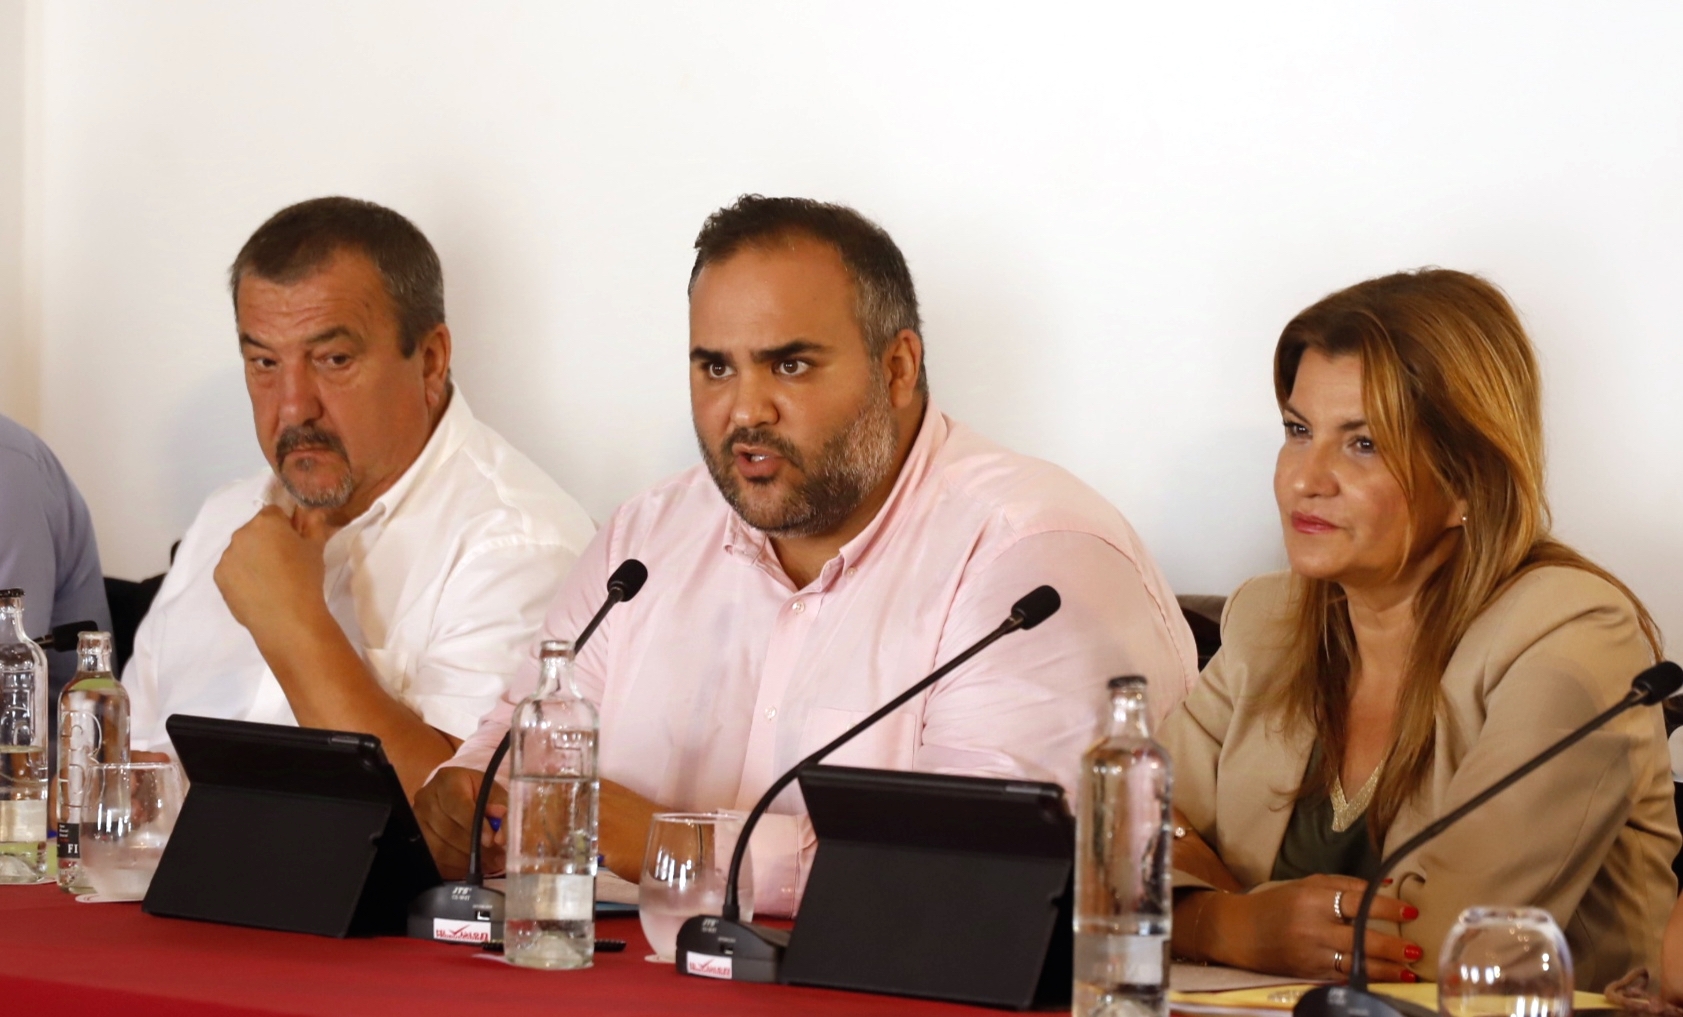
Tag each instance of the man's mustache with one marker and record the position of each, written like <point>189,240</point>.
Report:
<point>763,438</point>
<point>308,436</point>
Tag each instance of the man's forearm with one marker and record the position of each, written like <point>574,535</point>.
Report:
<point>624,829</point>
<point>328,685</point>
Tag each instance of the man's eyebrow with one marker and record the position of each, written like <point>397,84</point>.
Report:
<point>336,332</point>
<point>787,351</point>
<point>328,335</point>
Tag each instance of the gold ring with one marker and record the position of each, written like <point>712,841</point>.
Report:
<point>1338,962</point>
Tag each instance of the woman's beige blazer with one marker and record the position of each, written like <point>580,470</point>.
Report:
<point>1589,837</point>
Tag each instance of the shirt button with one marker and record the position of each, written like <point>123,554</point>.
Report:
<point>771,713</point>
<point>797,607</point>
<point>850,571</point>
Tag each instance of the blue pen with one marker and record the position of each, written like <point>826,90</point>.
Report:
<point>496,824</point>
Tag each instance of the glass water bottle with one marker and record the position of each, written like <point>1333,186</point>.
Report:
<point>93,728</point>
<point>23,748</point>
<point>549,916</point>
<point>1122,892</point>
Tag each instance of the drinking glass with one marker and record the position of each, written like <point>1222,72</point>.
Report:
<point>135,807</point>
<point>684,872</point>
<point>1505,962</point>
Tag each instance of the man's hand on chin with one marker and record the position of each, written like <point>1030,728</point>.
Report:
<point>271,578</point>
<point>272,572</point>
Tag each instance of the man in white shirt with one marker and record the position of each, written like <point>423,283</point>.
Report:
<point>390,571</point>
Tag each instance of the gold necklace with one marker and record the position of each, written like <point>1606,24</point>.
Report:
<point>1345,813</point>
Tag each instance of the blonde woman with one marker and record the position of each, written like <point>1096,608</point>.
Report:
<point>1430,636</point>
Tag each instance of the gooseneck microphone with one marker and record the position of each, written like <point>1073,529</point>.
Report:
<point>465,911</point>
<point>760,947</point>
<point>1354,1000</point>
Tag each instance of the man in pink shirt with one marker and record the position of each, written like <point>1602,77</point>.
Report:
<point>842,539</point>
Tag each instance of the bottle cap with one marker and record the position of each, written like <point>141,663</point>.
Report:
<point>1127,681</point>
<point>88,641</point>
<point>555,648</point>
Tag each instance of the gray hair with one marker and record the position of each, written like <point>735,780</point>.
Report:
<point>299,239</point>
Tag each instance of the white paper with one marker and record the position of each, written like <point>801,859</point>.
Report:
<point>1215,978</point>
<point>613,889</point>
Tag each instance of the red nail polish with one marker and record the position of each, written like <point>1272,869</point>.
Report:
<point>1409,976</point>
<point>1413,952</point>
<point>1387,881</point>
<point>1410,912</point>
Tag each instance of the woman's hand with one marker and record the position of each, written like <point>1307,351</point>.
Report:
<point>1293,929</point>
<point>1671,956</point>
<point>1197,859</point>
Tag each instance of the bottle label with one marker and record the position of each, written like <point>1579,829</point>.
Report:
<point>69,841</point>
<point>562,898</point>
<point>23,821</point>
<point>1139,959</point>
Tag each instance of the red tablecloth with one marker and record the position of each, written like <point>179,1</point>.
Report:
<point>60,956</point>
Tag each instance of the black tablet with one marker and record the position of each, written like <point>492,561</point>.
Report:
<point>938,811</point>
<point>931,885</point>
<point>289,828</point>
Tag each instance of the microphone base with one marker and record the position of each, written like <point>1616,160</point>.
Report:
<point>458,912</point>
<point>1343,1001</point>
<point>711,947</point>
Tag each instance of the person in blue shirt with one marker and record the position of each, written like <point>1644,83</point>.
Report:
<point>47,546</point>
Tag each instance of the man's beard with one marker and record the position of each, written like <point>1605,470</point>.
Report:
<point>852,463</point>
<point>308,436</point>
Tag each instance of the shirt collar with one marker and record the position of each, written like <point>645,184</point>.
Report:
<point>753,544</point>
<point>446,438</point>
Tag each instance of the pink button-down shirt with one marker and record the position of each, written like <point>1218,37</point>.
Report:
<point>721,674</point>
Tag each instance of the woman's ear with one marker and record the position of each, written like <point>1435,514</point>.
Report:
<point>1457,513</point>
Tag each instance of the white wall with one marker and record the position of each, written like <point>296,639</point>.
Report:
<point>20,379</point>
<point>1110,211</point>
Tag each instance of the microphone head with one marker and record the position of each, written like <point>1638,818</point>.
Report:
<point>629,578</point>
<point>1041,603</point>
<point>1658,682</point>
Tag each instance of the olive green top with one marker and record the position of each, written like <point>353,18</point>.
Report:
<point>1311,846</point>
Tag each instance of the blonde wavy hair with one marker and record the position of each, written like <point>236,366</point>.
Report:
<point>1451,390</point>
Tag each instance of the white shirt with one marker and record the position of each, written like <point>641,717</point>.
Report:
<point>441,585</point>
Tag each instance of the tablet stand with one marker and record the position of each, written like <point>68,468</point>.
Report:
<point>950,888</point>
<point>279,833</point>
